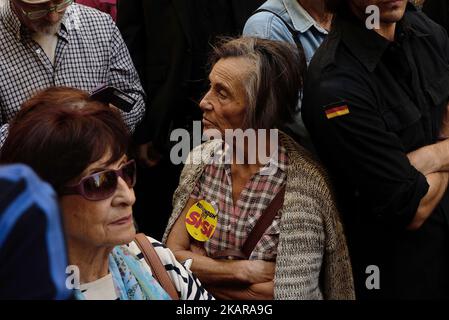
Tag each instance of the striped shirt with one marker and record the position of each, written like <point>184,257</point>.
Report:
<point>187,285</point>
<point>236,221</point>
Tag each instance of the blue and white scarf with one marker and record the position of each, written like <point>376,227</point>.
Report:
<point>131,280</point>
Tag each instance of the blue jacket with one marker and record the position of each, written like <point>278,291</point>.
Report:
<point>33,256</point>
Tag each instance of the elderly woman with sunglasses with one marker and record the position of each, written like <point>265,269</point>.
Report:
<point>80,147</point>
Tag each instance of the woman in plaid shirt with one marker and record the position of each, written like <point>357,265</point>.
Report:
<point>254,84</point>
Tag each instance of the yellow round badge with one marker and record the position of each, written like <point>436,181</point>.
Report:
<point>201,221</point>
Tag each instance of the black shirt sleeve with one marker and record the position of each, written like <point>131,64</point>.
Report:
<point>364,157</point>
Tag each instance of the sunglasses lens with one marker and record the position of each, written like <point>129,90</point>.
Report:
<point>100,186</point>
<point>129,174</point>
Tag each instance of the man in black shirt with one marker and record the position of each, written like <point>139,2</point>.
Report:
<point>375,103</point>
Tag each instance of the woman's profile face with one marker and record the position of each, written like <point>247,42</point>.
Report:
<point>225,104</point>
<point>104,223</point>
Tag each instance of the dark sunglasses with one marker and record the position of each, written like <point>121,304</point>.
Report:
<point>102,185</point>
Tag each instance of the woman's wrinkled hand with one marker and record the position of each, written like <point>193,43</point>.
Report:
<point>198,248</point>
<point>259,271</point>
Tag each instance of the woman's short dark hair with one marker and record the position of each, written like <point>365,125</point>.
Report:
<point>274,86</point>
<point>59,132</point>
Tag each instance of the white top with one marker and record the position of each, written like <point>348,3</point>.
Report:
<point>187,285</point>
<point>101,289</point>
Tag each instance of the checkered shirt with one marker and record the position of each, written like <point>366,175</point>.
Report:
<point>236,222</point>
<point>90,52</point>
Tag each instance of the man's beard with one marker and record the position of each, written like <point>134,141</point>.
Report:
<point>46,28</point>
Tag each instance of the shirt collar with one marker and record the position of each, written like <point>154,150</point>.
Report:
<point>367,45</point>
<point>69,21</point>
<point>301,19</point>
<point>64,31</point>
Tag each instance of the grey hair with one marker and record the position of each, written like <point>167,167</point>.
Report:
<point>272,88</point>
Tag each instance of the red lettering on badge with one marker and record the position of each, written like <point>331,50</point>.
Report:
<point>193,218</point>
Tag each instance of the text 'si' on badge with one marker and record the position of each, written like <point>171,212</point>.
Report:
<point>201,220</point>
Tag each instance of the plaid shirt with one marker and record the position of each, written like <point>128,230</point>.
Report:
<point>90,52</point>
<point>236,222</point>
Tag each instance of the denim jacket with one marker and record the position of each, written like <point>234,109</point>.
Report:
<point>267,26</point>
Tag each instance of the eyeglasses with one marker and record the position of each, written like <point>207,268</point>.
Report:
<point>102,185</point>
<point>37,14</point>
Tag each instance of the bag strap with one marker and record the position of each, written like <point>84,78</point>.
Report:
<point>155,263</point>
<point>263,223</point>
<point>294,33</point>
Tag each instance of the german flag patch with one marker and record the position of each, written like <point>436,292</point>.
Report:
<point>336,110</point>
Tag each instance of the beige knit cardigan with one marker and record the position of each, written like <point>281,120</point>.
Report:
<point>311,236</point>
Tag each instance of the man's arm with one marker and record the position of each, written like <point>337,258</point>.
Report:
<point>435,157</point>
<point>364,153</point>
<point>433,162</point>
<point>216,272</point>
<point>438,183</point>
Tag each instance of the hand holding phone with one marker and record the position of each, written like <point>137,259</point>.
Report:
<point>111,95</point>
